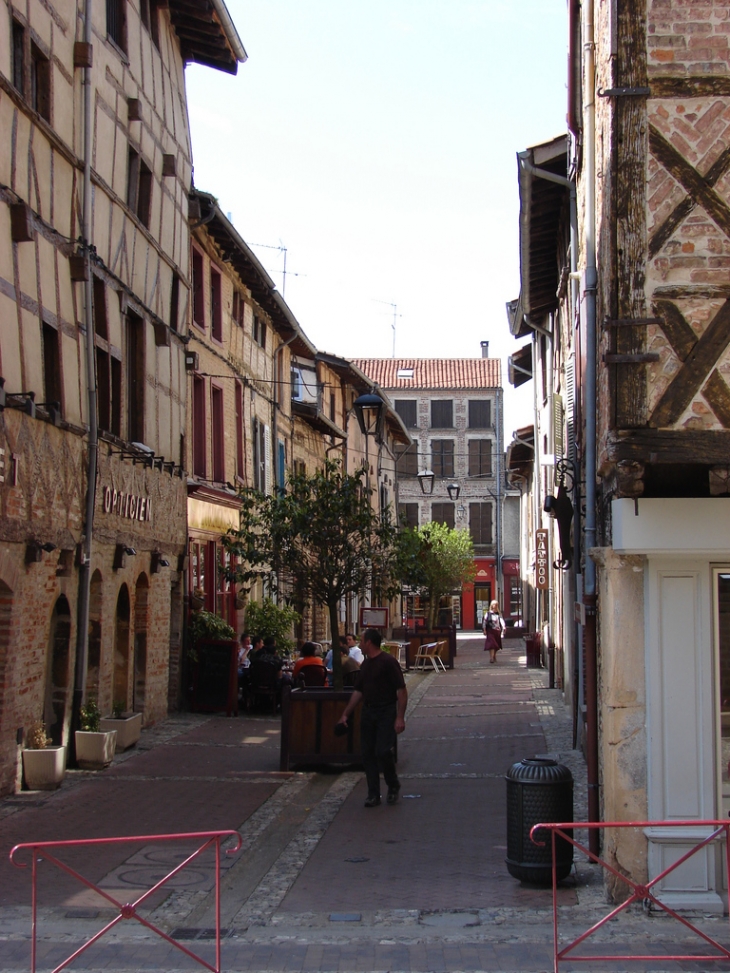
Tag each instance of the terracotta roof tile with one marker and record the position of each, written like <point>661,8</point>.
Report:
<point>433,373</point>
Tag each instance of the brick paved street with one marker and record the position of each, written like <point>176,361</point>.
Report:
<point>322,883</point>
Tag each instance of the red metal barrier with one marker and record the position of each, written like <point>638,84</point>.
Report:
<point>41,850</point>
<point>638,892</point>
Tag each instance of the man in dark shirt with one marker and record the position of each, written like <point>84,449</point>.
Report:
<point>383,692</point>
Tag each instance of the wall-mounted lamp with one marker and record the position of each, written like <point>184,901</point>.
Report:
<point>158,561</point>
<point>426,480</point>
<point>453,490</point>
<point>369,409</point>
<point>34,551</point>
<point>121,553</point>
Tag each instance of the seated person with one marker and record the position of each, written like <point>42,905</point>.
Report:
<point>349,666</point>
<point>267,652</point>
<point>354,649</point>
<point>307,657</point>
<point>244,661</point>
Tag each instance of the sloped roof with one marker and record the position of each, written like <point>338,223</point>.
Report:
<point>433,373</point>
<point>207,34</point>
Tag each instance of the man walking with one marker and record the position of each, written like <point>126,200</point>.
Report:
<point>382,689</point>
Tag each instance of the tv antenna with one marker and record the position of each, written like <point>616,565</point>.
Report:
<point>282,249</point>
<point>395,316</point>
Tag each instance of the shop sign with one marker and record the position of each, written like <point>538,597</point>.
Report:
<point>541,560</point>
<point>127,505</point>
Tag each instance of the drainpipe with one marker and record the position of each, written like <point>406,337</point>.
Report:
<point>589,590</point>
<point>498,473</point>
<point>82,640</point>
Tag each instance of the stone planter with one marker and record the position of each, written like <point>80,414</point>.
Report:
<point>94,751</point>
<point>128,729</point>
<point>44,770</point>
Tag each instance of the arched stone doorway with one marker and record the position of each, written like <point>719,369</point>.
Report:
<point>141,601</point>
<point>120,692</point>
<point>56,712</point>
<point>93,662</point>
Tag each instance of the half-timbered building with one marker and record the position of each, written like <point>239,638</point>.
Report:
<point>624,264</point>
<point>95,170</point>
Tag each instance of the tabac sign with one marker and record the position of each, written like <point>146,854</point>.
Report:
<point>541,560</point>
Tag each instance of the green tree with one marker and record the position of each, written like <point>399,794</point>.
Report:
<point>435,559</point>
<point>266,619</point>
<point>319,541</point>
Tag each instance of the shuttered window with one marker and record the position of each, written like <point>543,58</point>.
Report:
<point>442,414</point>
<point>443,513</point>
<point>442,457</point>
<point>480,457</point>
<point>480,523</point>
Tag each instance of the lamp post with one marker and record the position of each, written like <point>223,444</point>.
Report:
<point>426,479</point>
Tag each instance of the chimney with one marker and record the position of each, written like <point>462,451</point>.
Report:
<point>485,349</point>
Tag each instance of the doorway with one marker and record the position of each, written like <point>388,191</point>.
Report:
<point>482,597</point>
<point>140,643</point>
<point>121,650</point>
<point>55,710</point>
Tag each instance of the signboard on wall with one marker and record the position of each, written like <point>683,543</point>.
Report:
<point>374,617</point>
<point>542,582</point>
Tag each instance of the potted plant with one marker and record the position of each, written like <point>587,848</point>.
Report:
<point>94,746</point>
<point>44,765</point>
<point>128,726</point>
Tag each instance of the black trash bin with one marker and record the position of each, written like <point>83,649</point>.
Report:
<point>538,789</point>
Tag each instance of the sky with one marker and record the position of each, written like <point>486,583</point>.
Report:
<point>376,141</point>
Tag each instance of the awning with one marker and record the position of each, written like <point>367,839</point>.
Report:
<point>519,366</point>
<point>521,454</point>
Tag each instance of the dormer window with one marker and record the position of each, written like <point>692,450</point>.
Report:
<point>404,373</point>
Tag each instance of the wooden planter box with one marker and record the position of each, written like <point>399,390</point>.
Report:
<point>44,770</point>
<point>127,728</point>
<point>308,718</point>
<point>94,751</point>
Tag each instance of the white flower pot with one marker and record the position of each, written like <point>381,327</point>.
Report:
<point>128,729</point>
<point>94,751</point>
<point>44,769</point>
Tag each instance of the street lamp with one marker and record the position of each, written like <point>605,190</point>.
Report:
<point>426,478</point>
<point>453,490</point>
<point>369,411</point>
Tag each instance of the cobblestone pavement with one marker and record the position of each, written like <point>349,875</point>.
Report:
<point>321,883</point>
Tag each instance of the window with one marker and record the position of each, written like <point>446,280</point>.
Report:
<point>259,331</point>
<point>139,187</point>
<point>404,373</point>
<point>480,414</point>
<point>258,439</point>
<point>198,299</point>
<point>480,523</point>
<point>480,457</point>
<point>239,431</point>
<point>407,409</point>
<point>135,378</point>
<point>218,439</point>
<point>51,365</point>
<point>116,23</point>
<point>442,414</point>
<point>296,384</point>
<point>40,82</point>
<point>406,460</point>
<point>174,301</point>
<point>216,307</point>
<point>443,513</point>
<point>18,57</point>
<point>442,457</point>
<point>149,14</point>
<point>408,514</point>
<point>108,367</point>
<point>199,430</point>
<point>238,308</point>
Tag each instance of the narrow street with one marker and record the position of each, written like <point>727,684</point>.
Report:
<point>321,883</point>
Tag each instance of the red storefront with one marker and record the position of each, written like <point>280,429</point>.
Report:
<point>475,597</point>
<point>511,589</point>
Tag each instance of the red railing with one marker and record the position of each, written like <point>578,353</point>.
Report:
<point>638,892</point>
<point>42,850</point>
